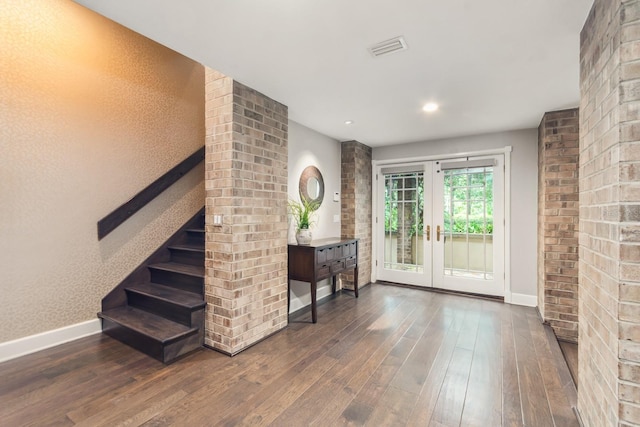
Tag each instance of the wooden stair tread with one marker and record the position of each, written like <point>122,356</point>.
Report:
<point>159,308</point>
<point>191,270</point>
<point>160,329</point>
<point>167,293</point>
<point>188,247</point>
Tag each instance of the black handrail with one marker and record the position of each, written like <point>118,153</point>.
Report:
<point>110,222</point>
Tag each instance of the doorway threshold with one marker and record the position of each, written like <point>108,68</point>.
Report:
<point>442,291</point>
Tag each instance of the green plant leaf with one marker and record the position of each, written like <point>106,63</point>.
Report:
<point>302,212</point>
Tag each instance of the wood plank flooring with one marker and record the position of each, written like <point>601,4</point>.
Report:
<point>393,357</point>
<point>570,353</point>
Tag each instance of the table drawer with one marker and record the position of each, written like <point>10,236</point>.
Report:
<point>350,262</point>
<point>326,254</point>
<point>337,266</point>
<point>342,251</point>
<point>321,256</point>
<point>323,271</point>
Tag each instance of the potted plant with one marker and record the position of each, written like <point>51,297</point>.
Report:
<point>302,212</point>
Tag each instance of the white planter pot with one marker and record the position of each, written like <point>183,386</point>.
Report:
<point>303,236</point>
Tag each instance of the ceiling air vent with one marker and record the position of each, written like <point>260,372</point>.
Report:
<point>388,46</point>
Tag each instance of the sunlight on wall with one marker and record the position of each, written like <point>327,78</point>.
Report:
<point>91,113</point>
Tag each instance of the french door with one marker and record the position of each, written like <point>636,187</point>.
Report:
<point>404,218</point>
<point>441,224</point>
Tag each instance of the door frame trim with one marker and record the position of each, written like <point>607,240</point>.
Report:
<point>506,151</point>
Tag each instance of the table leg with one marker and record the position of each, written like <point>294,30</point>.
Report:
<point>288,297</point>
<point>355,281</point>
<point>314,312</point>
<point>333,284</point>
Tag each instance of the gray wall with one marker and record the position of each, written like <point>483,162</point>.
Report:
<point>310,148</point>
<point>524,190</point>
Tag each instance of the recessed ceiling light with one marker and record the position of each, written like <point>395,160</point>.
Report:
<point>348,122</point>
<point>430,107</point>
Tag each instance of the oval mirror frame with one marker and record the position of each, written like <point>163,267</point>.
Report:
<point>306,186</point>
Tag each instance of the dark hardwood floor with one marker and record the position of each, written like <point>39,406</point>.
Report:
<point>393,357</point>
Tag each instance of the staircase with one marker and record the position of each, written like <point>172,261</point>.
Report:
<point>159,309</point>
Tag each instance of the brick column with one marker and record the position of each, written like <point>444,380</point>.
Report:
<point>609,345</point>
<point>558,222</point>
<point>246,184</point>
<point>356,210</point>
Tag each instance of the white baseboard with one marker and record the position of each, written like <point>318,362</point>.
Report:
<point>27,345</point>
<point>304,297</point>
<point>522,299</point>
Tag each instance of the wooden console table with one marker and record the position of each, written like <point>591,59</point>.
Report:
<point>322,259</point>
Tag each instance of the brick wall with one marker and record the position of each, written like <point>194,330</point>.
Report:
<point>558,222</point>
<point>356,210</point>
<point>628,215</point>
<point>609,345</point>
<point>246,183</point>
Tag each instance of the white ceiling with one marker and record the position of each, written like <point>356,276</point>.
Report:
<point>492,65</point>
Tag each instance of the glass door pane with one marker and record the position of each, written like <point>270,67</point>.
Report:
<point>469,209</point>
<point>403,221</point>
<point>468,222</point>
<point>403,215</point>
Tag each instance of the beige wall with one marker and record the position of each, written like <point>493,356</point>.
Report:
<point>90,114</point>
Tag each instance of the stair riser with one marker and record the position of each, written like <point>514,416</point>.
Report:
<point>178,280</point>
<point>194,238</point>
<point>164,353</point>
<point>133,339</point>
<point>175,350</point>
<point>160,307</point>
<point>187,257</point>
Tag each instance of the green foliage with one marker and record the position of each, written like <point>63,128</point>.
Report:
<point>302,212</point>
<point>390,211</point>
<point>468,202</point>
<point>418,227</point>
<point>400,189</point>
<point>476,225</point>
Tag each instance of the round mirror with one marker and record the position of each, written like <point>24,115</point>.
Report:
<point>311,186</point>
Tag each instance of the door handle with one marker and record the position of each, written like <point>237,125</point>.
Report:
<point>428,233</point>
<point>438,233</point>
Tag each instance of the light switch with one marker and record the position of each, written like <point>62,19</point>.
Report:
<point>336,196</point>
<point>336,218</point>
<point>217,220</point>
